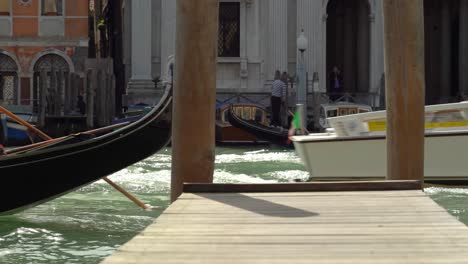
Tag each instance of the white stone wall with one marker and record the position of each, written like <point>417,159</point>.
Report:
<point>269,29</point>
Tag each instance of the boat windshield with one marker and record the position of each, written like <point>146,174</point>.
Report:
<point>437,118</point>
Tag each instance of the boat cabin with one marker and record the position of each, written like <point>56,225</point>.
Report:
<point>247,111</point>
<point>340,109</point>
<point>227,133</point>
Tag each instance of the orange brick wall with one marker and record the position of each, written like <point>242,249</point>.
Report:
<point>21,10</point>
<point>28,27</point>
<point>25,27</point>
<point>76,27</point>
<point>76,8</point>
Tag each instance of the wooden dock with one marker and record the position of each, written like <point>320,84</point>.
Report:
<point>380,223</point>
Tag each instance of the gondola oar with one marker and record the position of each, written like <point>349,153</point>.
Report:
<point>48,142</point>
<point>22,122</point>
<point>47,137</point>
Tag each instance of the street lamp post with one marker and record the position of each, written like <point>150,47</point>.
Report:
<point>301,94</point>
<point>316,102</point>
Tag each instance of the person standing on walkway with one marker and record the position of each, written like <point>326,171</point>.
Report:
<point>278,92</point>
<point>336,83</point>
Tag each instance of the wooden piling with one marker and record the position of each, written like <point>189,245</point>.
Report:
<point>404,71</point>
<point>42,98</point>
<point>90,92</point>
<point>67,106</point>
<point>193,127</point>
<point>60,90</point>
<point>75,90</point>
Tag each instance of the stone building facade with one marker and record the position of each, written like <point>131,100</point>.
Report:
<point>35,35</point>
<point>258,37</point>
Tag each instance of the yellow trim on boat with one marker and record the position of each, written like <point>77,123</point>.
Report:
<point>381,125</point>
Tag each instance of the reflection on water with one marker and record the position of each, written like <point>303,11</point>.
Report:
<point>89,224</point>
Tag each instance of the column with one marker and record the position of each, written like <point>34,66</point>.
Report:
<point>277,37</point>
<point>244,71</point>
<point>376,54</point>
<point>349,67</point>
<point>322,49</point>
<point>308,20</point>
<point>363,49</point>
<point>445,53</point>
<point>168,32</point>
<point>463,49</point>
<point>141,79</point>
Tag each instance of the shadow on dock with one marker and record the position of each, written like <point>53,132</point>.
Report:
<point>259,206</point>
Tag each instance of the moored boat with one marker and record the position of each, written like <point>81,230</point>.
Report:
<point>227,133</point>
<point>272,134</point>
<point>15,133</point>
<point>340,108</point>
<point>356,147</point>
<point>36,176</point>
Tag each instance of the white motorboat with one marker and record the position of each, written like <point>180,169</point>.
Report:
<point>355,147</point>
<point>341,108</point>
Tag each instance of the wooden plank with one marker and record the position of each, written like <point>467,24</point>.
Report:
<point>303,187</point>
<point>300,227</point>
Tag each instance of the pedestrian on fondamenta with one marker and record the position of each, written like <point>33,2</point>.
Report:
<point>336,83</point>
<point>278,95</point>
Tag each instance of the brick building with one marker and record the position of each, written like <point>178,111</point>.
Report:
<point>35,35</point>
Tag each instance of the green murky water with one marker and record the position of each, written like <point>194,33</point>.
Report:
<point>87,225</point>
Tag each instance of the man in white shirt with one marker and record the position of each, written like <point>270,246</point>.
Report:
<point>278,92</point>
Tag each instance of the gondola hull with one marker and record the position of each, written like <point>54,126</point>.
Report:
<point>274,135</point>
<point>32,178</point>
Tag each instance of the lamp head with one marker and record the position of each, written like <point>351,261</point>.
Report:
<point>302,42</point>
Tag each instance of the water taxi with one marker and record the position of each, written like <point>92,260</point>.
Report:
<point>354,148</point>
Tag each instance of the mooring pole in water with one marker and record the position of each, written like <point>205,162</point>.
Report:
<point>404,82</point>
<point>193,123</point>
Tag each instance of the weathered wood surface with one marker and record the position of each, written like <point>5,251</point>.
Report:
<point>194,92</point>
<point>404,77</point>
<point>300,227</point>
<point>304,186</point>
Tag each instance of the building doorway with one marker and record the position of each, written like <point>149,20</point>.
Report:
<point>52,64</point>
<point>443,33</point>
<point>348,45</point>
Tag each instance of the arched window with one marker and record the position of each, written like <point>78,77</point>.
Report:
<point>51,61</point>
<point>8,80</point>
<point>52,64</point>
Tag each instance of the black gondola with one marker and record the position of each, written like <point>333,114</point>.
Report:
<point>275,135</point>
<point>34,177</point>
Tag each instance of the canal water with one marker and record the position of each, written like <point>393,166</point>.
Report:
<point>89,224</point>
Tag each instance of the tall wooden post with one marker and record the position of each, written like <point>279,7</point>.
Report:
<point>193,123</point>
<point>43,93</point>
<point>60,90</point>
<point>90,93</point>
<point>404,72</point>
<point>67,106</point>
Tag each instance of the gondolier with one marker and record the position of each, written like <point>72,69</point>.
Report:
<point>278,95</point>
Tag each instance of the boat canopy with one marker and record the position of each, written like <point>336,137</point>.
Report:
<point>247,111</point>
<point>340,109</point>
